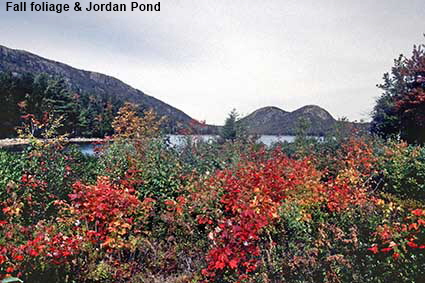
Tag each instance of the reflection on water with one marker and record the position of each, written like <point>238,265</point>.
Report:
<point>178,140</point>
<point>268,140</point>
<point>86,148</point>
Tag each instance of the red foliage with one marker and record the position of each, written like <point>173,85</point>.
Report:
<point>409,103</point>
<point>105,212</point>
<point>194,127</point>
<point>402,237</point>
<point>235,206</point>
<point>101,216</point>
<point>252,194</point>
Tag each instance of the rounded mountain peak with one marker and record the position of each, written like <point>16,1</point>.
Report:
<point>269,109</point>
<point>260,118</point>
<point>314,110</point>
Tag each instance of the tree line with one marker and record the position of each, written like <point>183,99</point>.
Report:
<point>84,114</point>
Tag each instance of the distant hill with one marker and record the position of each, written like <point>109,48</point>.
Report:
<point>18,61</point>
<point>267,120</point>
<point>275,121</point>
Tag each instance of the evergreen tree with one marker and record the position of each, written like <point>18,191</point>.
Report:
<point>60,101</point>
<point>229,130</point>
<point>13,89</point>
<point>84,114</point>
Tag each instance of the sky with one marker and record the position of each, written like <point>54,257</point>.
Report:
<point>206,57</point>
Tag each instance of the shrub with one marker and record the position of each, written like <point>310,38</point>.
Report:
<point>403,170</point>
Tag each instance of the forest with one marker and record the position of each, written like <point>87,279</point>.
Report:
<point>84,115</point>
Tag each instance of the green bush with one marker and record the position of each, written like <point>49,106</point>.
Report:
<point>402,169</point>
<point>11,165</point>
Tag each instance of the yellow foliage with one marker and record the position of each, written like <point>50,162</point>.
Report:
<point>129,125</point>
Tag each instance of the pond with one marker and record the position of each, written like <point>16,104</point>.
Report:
<point>268,140</point>
<point>180,140</point>
<point>87,148</point>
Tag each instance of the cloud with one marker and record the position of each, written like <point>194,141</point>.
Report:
<point>207,57</point>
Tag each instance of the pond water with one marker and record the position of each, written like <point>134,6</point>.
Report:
<point>178,140</point>
<point>268,140</point>
<point>86,148</point>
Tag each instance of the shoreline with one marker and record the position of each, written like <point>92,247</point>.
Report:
<point>17,141</point>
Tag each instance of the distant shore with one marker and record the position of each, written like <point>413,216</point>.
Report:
<point>17,141</point>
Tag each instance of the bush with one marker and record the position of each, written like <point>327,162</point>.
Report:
<point>403,170</point>
<point>10,169</point>
<point>344,209</point>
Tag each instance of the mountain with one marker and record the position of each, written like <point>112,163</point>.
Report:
<point>21,62</point>
<point>256,121</point>
<point>275,121</point>
<point>107,89</point>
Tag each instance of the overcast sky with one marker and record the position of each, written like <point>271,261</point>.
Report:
<point>206,57</point>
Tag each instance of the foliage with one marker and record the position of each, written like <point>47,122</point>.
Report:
<point>233,128</point>
<point>128,125</point>
<point>229,129</point>
<point>139,149</point>
<point>400,110</point>
<point>403,170</point>
<point>10,168</point>
<point>84,114</point>
<point>347,208</point>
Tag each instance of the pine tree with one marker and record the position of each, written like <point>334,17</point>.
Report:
<point>229,130</point>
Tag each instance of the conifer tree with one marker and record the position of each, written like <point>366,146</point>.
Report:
<point>229,130</point>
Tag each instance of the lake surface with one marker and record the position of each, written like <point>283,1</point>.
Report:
<point>268,140</point>
<point>178,140</point>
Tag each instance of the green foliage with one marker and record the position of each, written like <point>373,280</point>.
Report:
<point>403,170</point>
<point>11,166</point>
<point>161,171</point>
<point>200,156</point>
<point>12,91</point>
<point>312,245</point>
<point>84,114</point>
<point>399,112</point>
<point>385,121</point>
<point>113,159</point>
<point>234,129</point>
<point>229,130</point>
